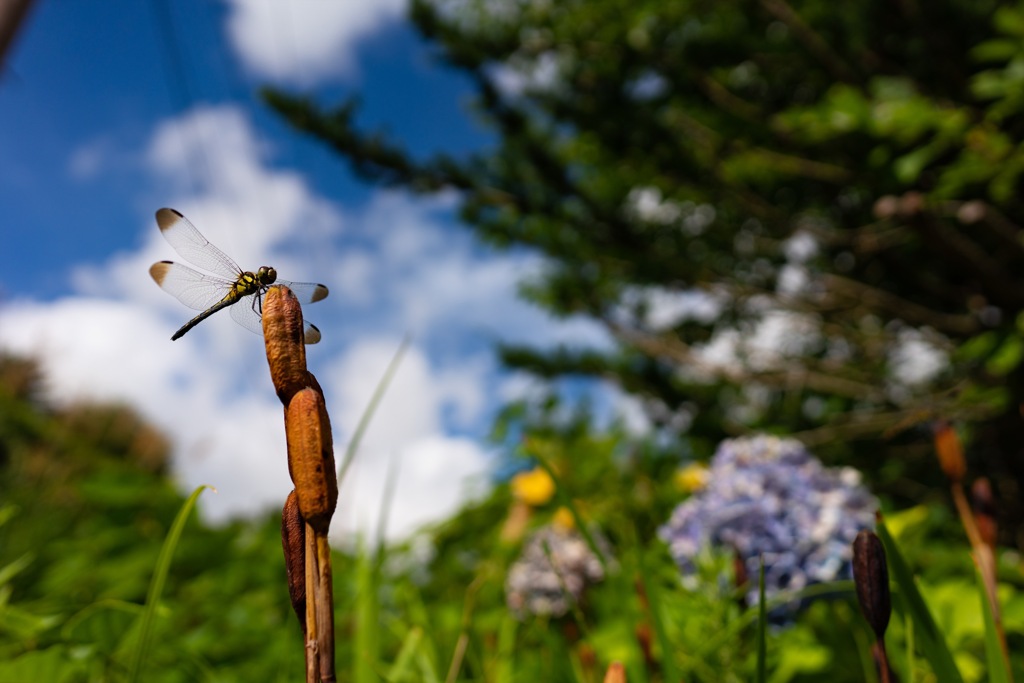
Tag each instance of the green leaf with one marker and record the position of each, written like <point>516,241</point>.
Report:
<point>12,569</point>
<point>52,665</point>
<point>650,583</point>
<point>933,644</point>
<point>156,586</point>
<point>762,626</point>
<point>102,624</point>
<point>1009,20</point>
<point>1007,357</point>
<point>505,663</point>
<point>998,667</point>
<point>400,670</point>
<point>24,625</point>
<point>999,49</point>
<point>367,650</point>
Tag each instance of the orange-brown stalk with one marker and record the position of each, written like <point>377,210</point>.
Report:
<point>311,466</point>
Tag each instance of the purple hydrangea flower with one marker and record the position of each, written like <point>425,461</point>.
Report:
<point>770,496</point>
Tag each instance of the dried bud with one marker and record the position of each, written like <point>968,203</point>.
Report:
<point>284,339</point>
<point>293,538</point>
<point>971,212</point>
<point>739,572</point>
<point>983,504</point>
<point>616,673</point>
<point>886,207</point>
<point>871,577</point>
<point>950,451</point>
<point>911,203</point>
<point>311,458</point>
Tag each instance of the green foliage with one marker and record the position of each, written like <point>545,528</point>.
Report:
<point>74,580</point>
<point>932,641</point>
<point>658,151</point>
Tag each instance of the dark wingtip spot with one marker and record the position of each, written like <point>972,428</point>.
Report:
<point>166,217</point>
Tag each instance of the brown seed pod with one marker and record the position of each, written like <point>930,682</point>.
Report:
<point>311,458</point>
<point>616,673</point>
<point>983,503</point>
<point>950,451</point>
<point>283,336</point>
<point>871,577</point>
<point>293,538</point>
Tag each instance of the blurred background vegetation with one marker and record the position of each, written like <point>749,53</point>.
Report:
<point>849,175</point>
<point>799,218</point>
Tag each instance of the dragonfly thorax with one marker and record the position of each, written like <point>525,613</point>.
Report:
<point>250,283</point>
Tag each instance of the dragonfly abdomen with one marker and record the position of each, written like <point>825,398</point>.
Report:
<point>231,298</point>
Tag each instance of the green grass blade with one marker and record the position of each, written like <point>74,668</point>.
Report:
<point>371,408</point>
<point>400,670</point>
<point>566,500</point>
<point>156,586</point>
<point>998,667</point>
<point>367,645</point>
<point>426,668</point>
<point>387,500</point>
<point>762,626</point>
<point>933,644</point>
<point>504,670</point>
<point>12,569</point>
<point>908,628</point>
<point>651,585</point>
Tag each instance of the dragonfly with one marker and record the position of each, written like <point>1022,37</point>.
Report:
<point>230,287</point>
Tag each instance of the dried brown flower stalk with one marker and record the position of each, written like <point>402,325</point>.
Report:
<point>978,523</point>
<point>616,673</point>
<point>871,578</point>
<point>293,538</point>
<point>309,508</point>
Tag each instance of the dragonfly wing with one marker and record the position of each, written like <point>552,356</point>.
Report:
<point>312,333</point>
<point>306,292</point>
<point>192,288</point>
<point>246,313</point>
<point>195,248</point>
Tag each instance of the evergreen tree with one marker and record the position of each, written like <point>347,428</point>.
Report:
<point>701,174</point>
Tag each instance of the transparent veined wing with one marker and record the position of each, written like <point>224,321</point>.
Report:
<point>192,288</point>
<point>306,292</point>
<point>193,247</point>
<point>246,313</point>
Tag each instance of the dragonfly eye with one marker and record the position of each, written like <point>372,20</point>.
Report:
<point>267,275</point>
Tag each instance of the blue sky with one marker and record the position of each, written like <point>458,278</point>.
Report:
<point>109,111</point>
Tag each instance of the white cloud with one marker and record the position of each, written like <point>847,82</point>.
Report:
<point>520,75</point>
<point>305,41</point>
<point>397,265</point>
<point>434,470</point>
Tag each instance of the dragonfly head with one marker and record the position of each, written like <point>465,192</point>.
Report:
<point>266,275</point>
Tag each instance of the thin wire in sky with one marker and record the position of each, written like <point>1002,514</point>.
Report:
<point>177,81</point>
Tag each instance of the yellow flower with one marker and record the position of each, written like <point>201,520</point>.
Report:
<point>692,478</point>
<point>563,519</point>
<point>534,487</point>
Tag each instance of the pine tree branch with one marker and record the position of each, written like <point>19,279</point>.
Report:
<point>815,44</point>
<point>841,291</point>
<point>797,375</point>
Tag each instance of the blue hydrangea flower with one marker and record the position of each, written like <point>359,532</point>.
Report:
<point>771,497</point>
